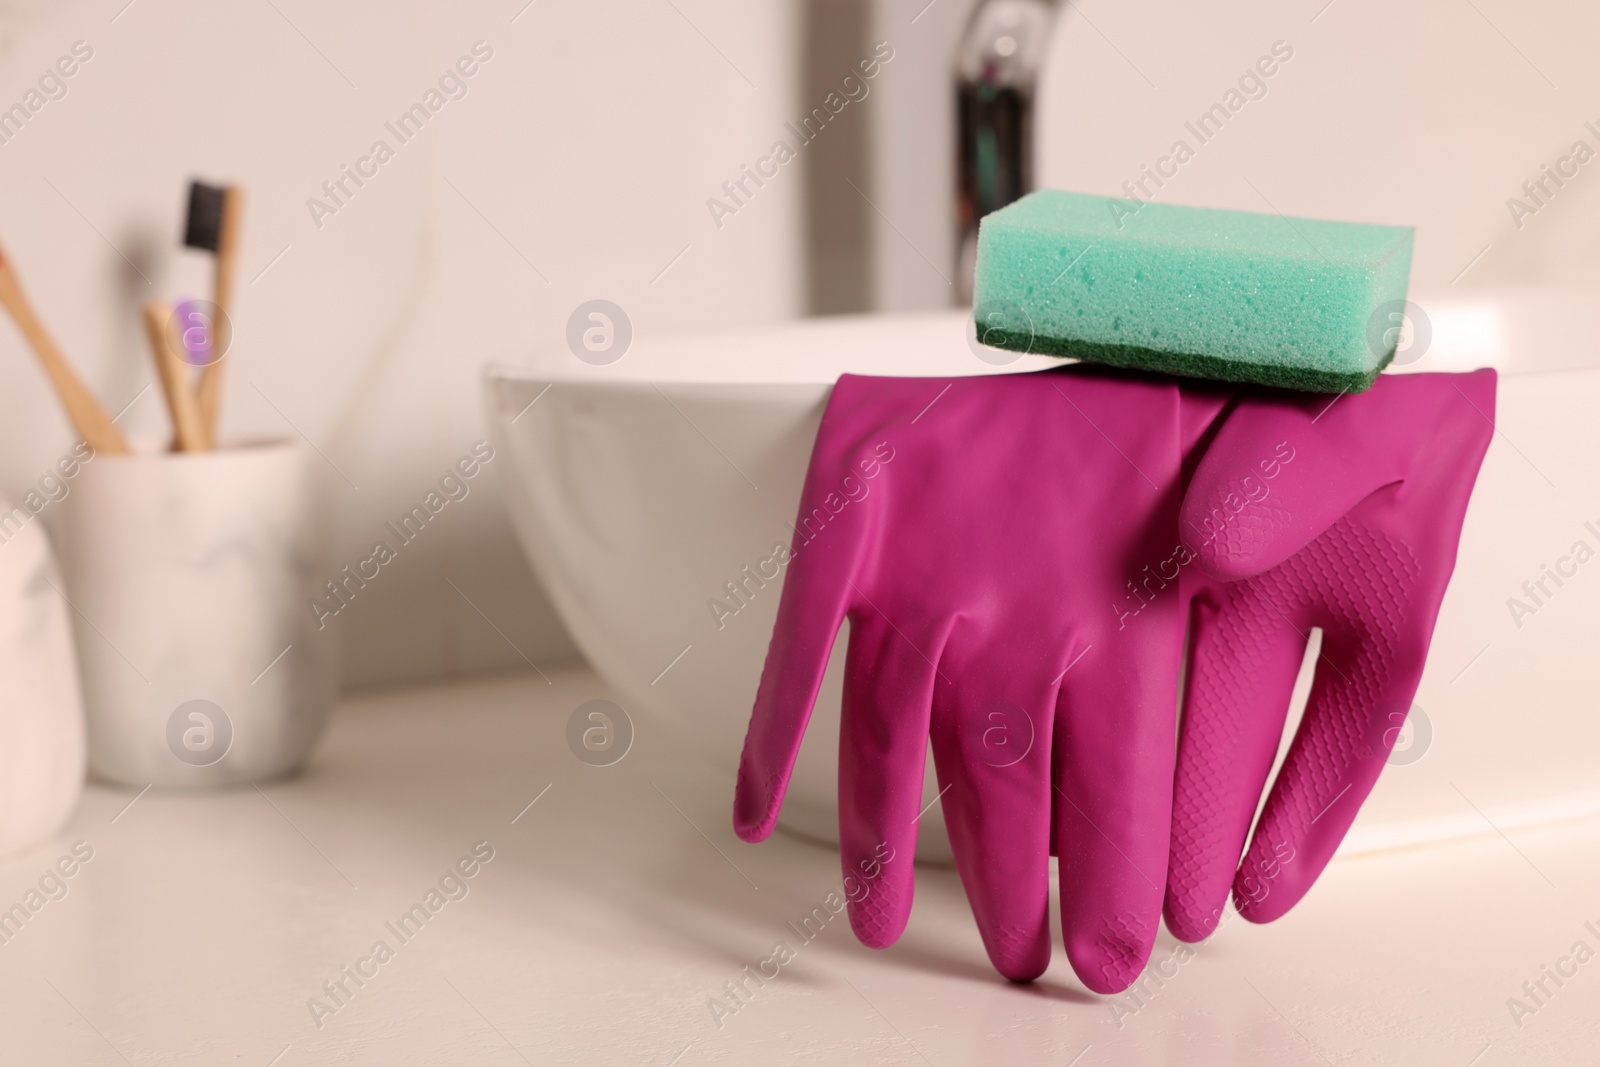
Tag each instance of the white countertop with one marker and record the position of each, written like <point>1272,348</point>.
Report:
<point>620,903</point>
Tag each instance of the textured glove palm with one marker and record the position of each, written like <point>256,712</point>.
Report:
<point>1355,534</point>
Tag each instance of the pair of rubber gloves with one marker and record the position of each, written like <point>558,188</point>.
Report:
<point>1018,557</point>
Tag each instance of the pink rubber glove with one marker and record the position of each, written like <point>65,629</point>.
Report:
<point>1357,534</point>
<point>974,532</point>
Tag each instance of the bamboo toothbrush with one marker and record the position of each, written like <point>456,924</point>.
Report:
<point>213,226</point>
<point>190,429</point>
<point>90,420</point>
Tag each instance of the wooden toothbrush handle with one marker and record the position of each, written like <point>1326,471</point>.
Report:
<point>227,249</point>
<point>89,419</point>
<point>189,428</point>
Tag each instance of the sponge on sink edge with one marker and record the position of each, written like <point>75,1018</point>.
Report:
<point>1197,292</point>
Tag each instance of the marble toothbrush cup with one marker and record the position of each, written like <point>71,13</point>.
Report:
<point>191,576</point>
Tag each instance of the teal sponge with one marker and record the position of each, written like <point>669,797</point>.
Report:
<point>1197,292</point>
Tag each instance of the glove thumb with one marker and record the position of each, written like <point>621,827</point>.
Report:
<point>1286,466</point>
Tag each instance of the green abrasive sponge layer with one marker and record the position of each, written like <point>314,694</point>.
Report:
<point>1196,292</point>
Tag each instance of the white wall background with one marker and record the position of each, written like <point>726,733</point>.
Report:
<point>1428,113</point>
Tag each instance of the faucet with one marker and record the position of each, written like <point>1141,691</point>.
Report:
<point>997,65</point>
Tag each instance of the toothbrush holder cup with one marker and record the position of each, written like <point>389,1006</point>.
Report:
<point>190,577</point>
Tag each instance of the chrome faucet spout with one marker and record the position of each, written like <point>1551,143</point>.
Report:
<point>997,66</point>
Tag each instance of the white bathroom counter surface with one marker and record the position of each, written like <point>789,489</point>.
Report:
<point>616,908</point>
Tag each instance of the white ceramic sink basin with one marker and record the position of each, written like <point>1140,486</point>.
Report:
<point>640,489</point>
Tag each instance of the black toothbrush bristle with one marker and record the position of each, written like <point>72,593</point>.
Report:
<point>204,227</point>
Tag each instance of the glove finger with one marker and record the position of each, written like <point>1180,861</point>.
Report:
<point>1113,767</point>
<point>817,593</point>
<point>1243,661</point>
<point>1373,653</point>
<point>888,696</point>
<point>990,733</point>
